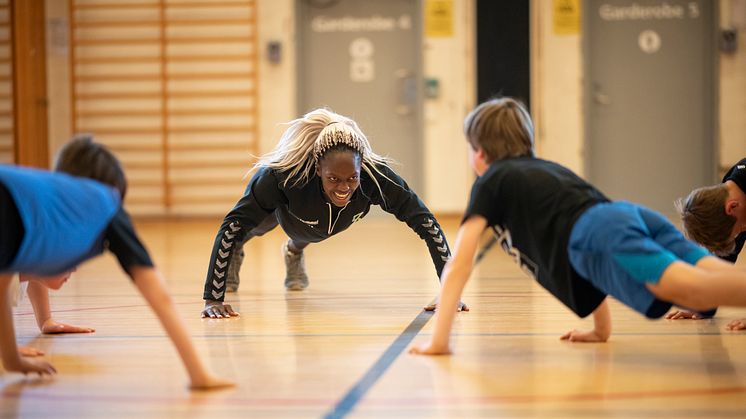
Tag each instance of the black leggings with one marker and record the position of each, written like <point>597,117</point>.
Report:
<point>11,232</point>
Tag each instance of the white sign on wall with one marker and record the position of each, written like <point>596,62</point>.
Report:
<point>362,66</point>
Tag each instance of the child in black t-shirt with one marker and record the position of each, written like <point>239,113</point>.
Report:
<point>54,221</point>
<point>576,243</point>
<point>715,217</point>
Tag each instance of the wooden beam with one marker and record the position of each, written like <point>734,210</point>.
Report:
<point>30,83</point>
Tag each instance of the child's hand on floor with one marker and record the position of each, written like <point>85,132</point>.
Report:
<point>29,351</point>
<point>25,366</point>
<point>429,349</point>
<point>739,324</point>
<point>682,314</point>
<point>583,336</point>
<point>52,327</point>
<point>211,382</point>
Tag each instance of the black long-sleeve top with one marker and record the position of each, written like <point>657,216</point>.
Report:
<point>306,215</point>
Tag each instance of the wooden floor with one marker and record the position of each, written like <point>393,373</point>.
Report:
<point>339,343</point>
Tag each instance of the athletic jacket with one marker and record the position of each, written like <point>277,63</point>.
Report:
<point>305,215</point>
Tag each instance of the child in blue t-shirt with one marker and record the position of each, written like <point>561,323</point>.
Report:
<point>54,221</point>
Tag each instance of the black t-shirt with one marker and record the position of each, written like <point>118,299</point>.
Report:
<point>532,205</point>
<point>122,241</point>
<point>737,174</point>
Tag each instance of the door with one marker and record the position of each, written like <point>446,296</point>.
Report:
<point>362,59</point>
<point>649,96</point>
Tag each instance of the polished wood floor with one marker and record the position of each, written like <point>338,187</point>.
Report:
<point>300,354</point>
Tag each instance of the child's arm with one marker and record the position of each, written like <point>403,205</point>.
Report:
<point>601,327</point>
<point>12,361</point>
<point>455,275</point>
<point>149,282</point>
<point>38,295</point>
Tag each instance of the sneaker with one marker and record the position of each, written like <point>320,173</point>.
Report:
<point>233,280</point>
<point>295,270</point>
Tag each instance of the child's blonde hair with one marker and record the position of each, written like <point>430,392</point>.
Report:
<point>308,139</point>
<point>705,221</point>
<point>502,127</point>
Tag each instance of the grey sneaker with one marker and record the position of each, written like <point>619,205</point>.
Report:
<point>295,270</point>
<point>233,280</point>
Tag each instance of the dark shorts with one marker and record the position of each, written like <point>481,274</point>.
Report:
<point>620,247</point>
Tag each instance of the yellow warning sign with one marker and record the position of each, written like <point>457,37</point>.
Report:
<point>439,18</point>
<point>566,17</point>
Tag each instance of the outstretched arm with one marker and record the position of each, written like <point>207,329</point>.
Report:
<point>38,295</point>
<point>152,288</point>
<point>12,360</point>
<point>455,275</point>
<point>260,199</point>
<point>601,327</point>
<point>227,244</point>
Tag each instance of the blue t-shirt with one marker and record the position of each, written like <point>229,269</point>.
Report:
<point>64,218</point>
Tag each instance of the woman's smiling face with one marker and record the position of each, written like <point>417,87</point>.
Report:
<point>339,171</point>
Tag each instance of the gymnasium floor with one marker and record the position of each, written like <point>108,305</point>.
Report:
<point>338,349</point>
